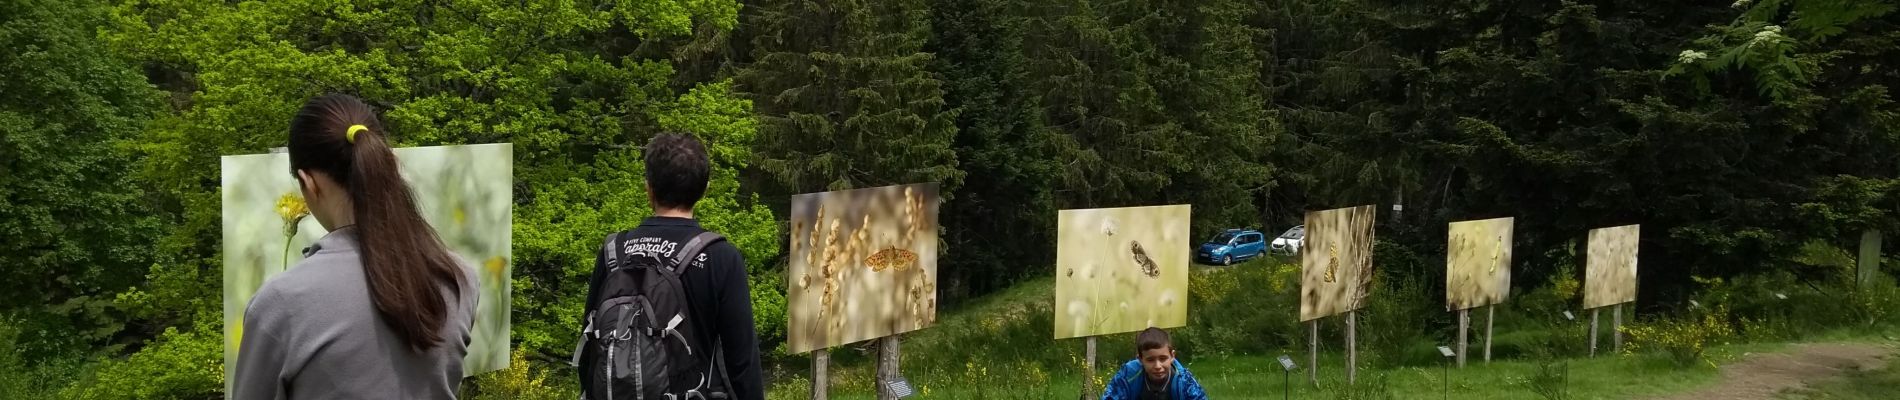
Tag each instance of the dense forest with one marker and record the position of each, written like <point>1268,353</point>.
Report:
<point>1742,136</point>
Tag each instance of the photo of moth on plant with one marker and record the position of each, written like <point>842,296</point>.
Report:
<point>863,265</point>
<point>1336,267</point>
<point>464,192</point>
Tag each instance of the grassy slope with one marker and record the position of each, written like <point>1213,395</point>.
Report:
<point>1001,346</point>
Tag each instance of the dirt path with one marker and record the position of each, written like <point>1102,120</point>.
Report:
<point>1760,376</point>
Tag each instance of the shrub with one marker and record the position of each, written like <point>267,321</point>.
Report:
<point>1400,322</point>
<point>179,364</point>
<point>1242,310</point>
<point>1684,340</point>
<point>523,380</point>
<point>1374,388</point>
<point>1552,380</point>
<point>24,380</point>
<point>1875,302</point>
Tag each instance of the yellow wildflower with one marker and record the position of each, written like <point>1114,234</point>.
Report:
<point>496,266</point>
<point>291,207</point>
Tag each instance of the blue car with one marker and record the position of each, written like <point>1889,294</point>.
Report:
<point>1231,246</point>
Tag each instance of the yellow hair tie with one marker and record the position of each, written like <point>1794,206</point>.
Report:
<point>351,134</point>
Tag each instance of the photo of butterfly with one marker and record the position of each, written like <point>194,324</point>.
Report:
<point>892,258</point>
<point>1147,264</point>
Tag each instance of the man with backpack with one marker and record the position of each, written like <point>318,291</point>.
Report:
<point>668,312</point>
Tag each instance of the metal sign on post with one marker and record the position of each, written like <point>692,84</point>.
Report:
<point>1446,351</point>
<point>1286,376</point>
<point>900,387</point>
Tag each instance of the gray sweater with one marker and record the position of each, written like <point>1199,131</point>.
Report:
<point>313,333</point>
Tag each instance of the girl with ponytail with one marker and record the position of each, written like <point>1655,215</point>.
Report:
<point>379,308</point>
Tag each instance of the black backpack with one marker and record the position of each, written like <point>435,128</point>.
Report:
<point>639,340</point>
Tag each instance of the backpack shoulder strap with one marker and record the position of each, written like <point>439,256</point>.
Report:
<point>607,250</point>
<point>693,247</point>
<point>610,259</point>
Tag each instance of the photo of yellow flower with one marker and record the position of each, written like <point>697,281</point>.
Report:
<point>464,192</point>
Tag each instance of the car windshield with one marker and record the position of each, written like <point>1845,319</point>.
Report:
<point>1294,233</point>
<point>1223,238</point>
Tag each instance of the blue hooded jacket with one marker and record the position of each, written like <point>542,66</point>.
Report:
<point>1127,383</point>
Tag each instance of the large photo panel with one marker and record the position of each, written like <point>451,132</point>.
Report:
<point>1478,263</point>
<point>464,192</point>
<point>863,265</point>
<point>1336,261</point>
<point>1611,267</point>
<point>1121,269</point>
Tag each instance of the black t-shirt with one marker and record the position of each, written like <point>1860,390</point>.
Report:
<point>719,296</point>
<point>1153,391</point>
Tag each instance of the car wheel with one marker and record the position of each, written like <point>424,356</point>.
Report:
<point>1229,260</point>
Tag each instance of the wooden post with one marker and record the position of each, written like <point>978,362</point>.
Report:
<point>1088,370</point>
<point>1593,330</point>
<point>1464,323</point>
<point>820,362</point>
<point>1491,313</point>
<point>1616,328</point>
<point>1869,260</point>
<point>1352,347</point>
<point>887,362</point>
<point>1312,351</point>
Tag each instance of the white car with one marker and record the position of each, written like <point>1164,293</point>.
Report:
<point>1289,243</point>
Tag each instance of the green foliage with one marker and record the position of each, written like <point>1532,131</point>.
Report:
<point>1754,42</point>
<point>177,364</point>
<point>525,380</point>
<point>562,81</point>
<point>74,225</point>
<point>1683,340</point>
<point>852,104</point>
<point>1405,312</point>
<point>1243,310</point>
<point>1009,165</point>
<point>30,381</point>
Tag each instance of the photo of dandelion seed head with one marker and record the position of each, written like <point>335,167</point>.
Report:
<point>464,192</point>
<point>863,265</point>
<point>1121,270</point>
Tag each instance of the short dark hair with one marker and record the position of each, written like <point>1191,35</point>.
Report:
<point>1150,339</point>
<point>677,168</point>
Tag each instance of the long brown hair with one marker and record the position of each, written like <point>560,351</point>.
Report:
<point>404,260</point>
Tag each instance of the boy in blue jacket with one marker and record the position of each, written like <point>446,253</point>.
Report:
<point>1154,374</point>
